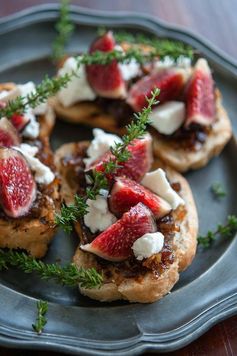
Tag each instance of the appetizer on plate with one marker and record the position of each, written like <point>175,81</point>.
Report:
<point>29,187</point>
<point>189,127</point>
<point>140,231</point>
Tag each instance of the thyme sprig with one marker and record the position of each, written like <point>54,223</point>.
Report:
<point>225,231</point>
<point>64,28</point>
<point>104,58</point>
<point>48,87</point>
<point>41,321</point>
<point>120,154</point>
<point>68,275</point>
<point>217,190</point>
<point>71,213</point>
<point>163,47</point>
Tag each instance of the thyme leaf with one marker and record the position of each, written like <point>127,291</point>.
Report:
<point>68,275</point>
<point>41,321</point>
<point>64,28</point>
<point>225,231</point>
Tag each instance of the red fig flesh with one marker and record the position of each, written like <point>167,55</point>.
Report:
<point>115,243</point>
<point>8,134</point>
<point>19,121</point>
<point>106,79</point>
<point>169,81</point>
<point>137,165</point>
<point>17,185</point>
<point>126,193</point>
<point>200,96</point>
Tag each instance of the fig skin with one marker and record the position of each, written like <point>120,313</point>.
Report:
<point>17,184</point>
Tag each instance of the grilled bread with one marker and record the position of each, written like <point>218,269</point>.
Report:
<point>146,287</point>
<point>34,231</point>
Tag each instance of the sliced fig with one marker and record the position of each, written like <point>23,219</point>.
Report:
<point>137,165</point>
<point>19,121</point>
<point>8,134</point>
<point>200,96</point>
<point>115,243</point>
<point>106,79</point>
<point>17,185</point>
<point>170,82</point>
<point>126,193</point>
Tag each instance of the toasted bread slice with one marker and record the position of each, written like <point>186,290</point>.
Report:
<point>147,288</point>
<point>34,232</point>
<point>86,113</point>
<point>182,159</point>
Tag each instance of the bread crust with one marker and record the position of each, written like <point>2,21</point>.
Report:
<point>86,113</point>
<point>34,233</point>
<point>183,160</point>
<point>148,288</point>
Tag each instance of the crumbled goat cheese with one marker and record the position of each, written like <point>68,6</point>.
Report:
<point>167,62</point>
<point>99,218</point>
<point>168,117</point>
<point>157,182</point>
<point>43,174</point>
<point>78,89</point>
<point>129,70</point>
<point>148,245</point>
<point>29,88</point>
<point>99,145</point>
<point>33,127</point>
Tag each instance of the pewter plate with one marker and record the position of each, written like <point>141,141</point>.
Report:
<point>206,292</point>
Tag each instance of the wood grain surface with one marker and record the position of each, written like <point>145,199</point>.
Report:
<point>216,20</point>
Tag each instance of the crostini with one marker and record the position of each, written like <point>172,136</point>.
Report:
<point>29,186</point>
<point>189,126</point>
<point>141,232</point>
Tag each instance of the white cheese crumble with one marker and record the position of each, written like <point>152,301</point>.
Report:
<point>148,245</point>
<point>128,70</point>
<point>157,182</point>
<point>43,174</point>
<point>168,117</point>
<point>29,88</point>
<point>100,144</point>
<point>78,89</point>
<point>33,127</point>
<point>167,62</point>
<point>99,218</point>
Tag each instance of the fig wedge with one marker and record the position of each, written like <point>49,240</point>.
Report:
<point>200,96</point>
<point>115,243</point>
<point>106,79</point>
<point>136,166</point>
<point>126,193</point>
<point>17,184</point>
<point>170,82</point>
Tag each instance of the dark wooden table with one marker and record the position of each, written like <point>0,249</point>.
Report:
<point>216,20</point>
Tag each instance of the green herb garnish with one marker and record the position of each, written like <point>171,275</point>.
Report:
<point>48,87</point>
<point>163,47</point>
<point>68,275</point>
<point>224,231</point>
<point>217,190</point>
<point>71,213</point>
<point>41,321</point>
<point>64,28</point>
